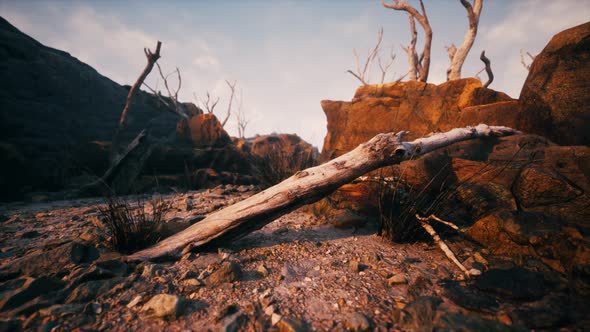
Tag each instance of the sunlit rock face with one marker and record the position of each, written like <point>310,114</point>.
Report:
<point>555,96</point>
<point>417,107</point>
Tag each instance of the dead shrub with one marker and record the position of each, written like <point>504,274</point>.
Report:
<point>133,226</point>
<point>277,165</point>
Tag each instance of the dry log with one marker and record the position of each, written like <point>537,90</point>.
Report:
<point>307,187</point>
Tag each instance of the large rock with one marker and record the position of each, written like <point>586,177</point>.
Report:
<point>202,130</point>
<point>51,107</point>
<point>555,95</point>
<point>420,108</point>
<point>280,155</point>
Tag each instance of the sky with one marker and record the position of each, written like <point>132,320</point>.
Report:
<point>286,56</point>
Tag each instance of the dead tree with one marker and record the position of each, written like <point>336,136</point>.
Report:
<point>241,120</point>
<point>209,104</point>
<point>151,60</point>
<point>458,55</point>
<point>384,68</point>
<point>172,104</point>
<point>127,164</point>
<point>232,88</point>
<point>488,68</point>
<point>419,65</point>
<point>363,73</point>
<point>527,66</point>
<point>306,187</point>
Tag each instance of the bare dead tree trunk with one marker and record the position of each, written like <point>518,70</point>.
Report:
<point>308,186</point>
<point>151,60</point>
<point>451,51</point>
<point>242,121</point>
<point>488,68</point>
<point>411,50</point>
<point>473,13</point>
<point>232,88</point>
<point>423,62</point>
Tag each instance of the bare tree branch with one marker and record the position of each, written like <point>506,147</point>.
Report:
<point>385,68</point>
<point>523,62</point>
<point>208,104</point>
<point>364,74</point>
<point>176,106</point>
<point>442,245</point>
<point>151,60</point>
<point>242,121</point>
<point>422,63</point>
<point>488,68</point>
<point>232,87</point>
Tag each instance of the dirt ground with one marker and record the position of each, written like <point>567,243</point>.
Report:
<point>298,273</point>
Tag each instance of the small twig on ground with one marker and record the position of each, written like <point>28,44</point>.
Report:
<point>442,245</point>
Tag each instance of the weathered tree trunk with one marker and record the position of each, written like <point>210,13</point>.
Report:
<point>307,187</point>
<point>473,13</point>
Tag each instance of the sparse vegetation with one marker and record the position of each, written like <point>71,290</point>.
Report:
<point>277,165</point>
<point>133,226</point>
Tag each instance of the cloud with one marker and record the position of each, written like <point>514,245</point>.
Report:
<point>206,62</point>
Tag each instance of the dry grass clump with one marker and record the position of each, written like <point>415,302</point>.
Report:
<point>277,165</point>
<point>133,226</point>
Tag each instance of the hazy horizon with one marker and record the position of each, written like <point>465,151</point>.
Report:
<point>287,56</point>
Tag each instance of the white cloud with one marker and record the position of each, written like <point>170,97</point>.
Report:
<point>206,61</point>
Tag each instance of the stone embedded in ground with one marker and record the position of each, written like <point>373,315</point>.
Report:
<point>89,290</point>
<point>470,297</point>
<point>31,289</point>
<point>289,324</point>
<point>354,266</point>
<point>357,322</point>
<point>262,270</point>
<point>54,261</point>
<point>515,283</point>
<point>227,272</point>
<point>419,314</point>
<point>397,279</point>
<point>152,270</point>
<point>134,302</point>
<point>471,322</point>
<point>164,305</point>
<point>234,322</point>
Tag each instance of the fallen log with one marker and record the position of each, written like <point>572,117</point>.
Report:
<point>308,186</point>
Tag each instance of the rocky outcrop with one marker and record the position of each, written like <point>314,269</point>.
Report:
<point>290,144</point>
<point>555,95</point>
<point>52,106</point>
<point>420,108</point>
<point>279,156</point>
<point>202,130</point>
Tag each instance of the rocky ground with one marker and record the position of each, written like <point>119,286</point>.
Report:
<point>298,273</point>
